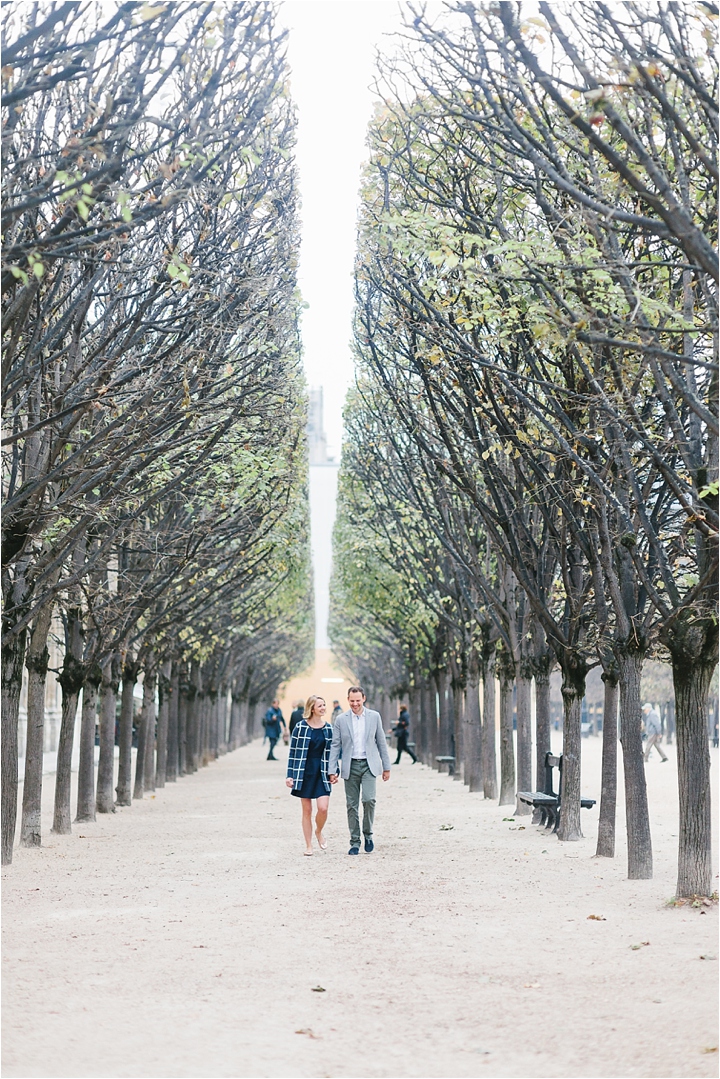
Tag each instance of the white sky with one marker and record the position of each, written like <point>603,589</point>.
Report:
<point>331,53</point>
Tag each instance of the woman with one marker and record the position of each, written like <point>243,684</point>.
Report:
<point>307,769</point>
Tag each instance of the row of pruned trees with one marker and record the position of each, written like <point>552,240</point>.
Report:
<point>531,467</point>
<point>154,461</point>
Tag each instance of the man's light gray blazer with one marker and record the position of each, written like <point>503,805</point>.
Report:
<point>376,748</point>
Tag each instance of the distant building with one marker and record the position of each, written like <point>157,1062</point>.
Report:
<point>317,439</point>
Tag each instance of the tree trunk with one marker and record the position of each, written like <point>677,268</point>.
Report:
<point>507,749</point>
<point>639,843</point>
<point>213,735</point>
<point>608,787</point>
<point>431,720</point>
<point>146,732</point>
<point>524,742</point>
<point>165,692</point>
<point>543,743</point>
<point>127,715</point>
<point>458,700</point>
<point>71,680</point>
<point>150,676</point>
<point>445,724</point>
<point>573,691</point>
<point>691,681</point>
<point>86,772</point>
<point>104,802</point>
<point>171,764</point>
<point>36,661</point>
<point>473,728</point>
<point>15,599</point>
<point>183,705</point>
<point>489,739</point>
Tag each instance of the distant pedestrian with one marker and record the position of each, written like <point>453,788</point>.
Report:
<point>359,740</point>
<point>307,770</point>
<point>273,723</point>
<point>401,731</point>
<point>653,729</point>
<point>296,715</point>
<point>336,711</point>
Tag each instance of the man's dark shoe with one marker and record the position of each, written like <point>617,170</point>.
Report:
<point>270,758</point>
<point>354,850</point>
<point>369,846</point>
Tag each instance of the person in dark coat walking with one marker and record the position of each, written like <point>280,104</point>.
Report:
<point>307,770</point>
<point>296,716</point>
<point>401,731</point>
<point>272,723</point>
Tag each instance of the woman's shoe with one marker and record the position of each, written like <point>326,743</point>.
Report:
<point>308,853</point>
<point>321,843</point>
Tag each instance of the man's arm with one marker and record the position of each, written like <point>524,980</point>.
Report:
<point>335,750</point>
<point>381,742</point>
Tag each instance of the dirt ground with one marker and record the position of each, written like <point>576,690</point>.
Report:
<point>188,936</point>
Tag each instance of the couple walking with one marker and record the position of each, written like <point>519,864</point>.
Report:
<point>356,748</point>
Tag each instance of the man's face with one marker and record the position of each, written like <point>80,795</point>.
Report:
<point>356,702</point>
<point>276,703</point>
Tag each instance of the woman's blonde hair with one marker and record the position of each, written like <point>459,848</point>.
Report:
<point>310,704</point>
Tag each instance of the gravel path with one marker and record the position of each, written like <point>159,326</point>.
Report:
<point>185,937</point>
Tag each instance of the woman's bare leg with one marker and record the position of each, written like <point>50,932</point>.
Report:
<point>321,817</point>
<point>307,823</point>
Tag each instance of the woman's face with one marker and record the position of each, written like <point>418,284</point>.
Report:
<point>319,708</point>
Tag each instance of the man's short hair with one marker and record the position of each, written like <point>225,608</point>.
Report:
<point>356,689</point>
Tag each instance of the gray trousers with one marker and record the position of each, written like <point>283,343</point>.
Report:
<point>361,781</point>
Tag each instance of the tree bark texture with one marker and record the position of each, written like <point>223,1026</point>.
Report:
<point>171,762</point>
<point>489,740</point>
<point>507,749</point>
<point>608,787</point>
<point>150,677</point>
<point>86,771</point>
<point>691,683</point>
<point>13,660</point>
<point>127,715</point>
<point>524,742</point>
<point>71,680</point>
<point>146,731</point>
<point>104,800</point>
<point>573,691</point>
<point>458,699</point>
<point>165,693</point>
<point>36,661</point>
<point>639,843</point>
<point>543,743</point>
<point>445,725</point>
<point>473,730</point>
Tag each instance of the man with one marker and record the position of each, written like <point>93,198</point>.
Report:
<point>653,729</point>
<point>401,731</point>
<point>272,722</point>
<point>359,740</point>
<point>336,711</point>
<point>296,715</point>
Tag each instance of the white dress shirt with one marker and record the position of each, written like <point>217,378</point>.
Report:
<point>359,735</point>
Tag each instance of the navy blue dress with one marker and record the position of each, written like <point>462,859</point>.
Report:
<point>312,784</point>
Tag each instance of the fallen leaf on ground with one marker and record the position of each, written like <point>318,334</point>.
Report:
<point>446,827</point>
<point>532,985</point>
<point>642,944</point>
<point>710,1049</point>
<point>308,1031</point>
<point>510,819</point>
<point>708,957</point>
<point>318,989</point>
<point>596,918</point>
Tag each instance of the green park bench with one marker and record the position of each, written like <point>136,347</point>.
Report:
<point>450,761</point>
